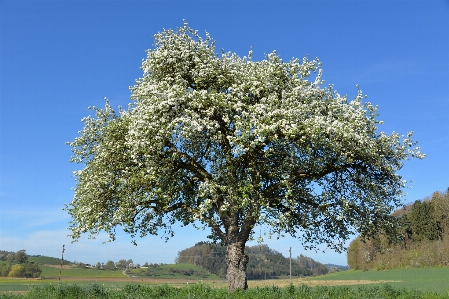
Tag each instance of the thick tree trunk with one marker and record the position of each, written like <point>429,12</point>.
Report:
<point>236,261</point>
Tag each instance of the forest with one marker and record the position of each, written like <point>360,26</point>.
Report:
<point>264,262</point>
<point>422,239</point>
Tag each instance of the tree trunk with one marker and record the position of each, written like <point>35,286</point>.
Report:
<point>236,261</point>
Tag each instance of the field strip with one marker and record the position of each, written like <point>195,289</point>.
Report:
<point>251,283</point>
<point>281,283</point>
<point>346,282</point>
<point>59,266</point>
<point>131,279</point>
<point>311,282</point>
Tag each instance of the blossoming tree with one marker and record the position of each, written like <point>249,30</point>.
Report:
<point>225,142</point>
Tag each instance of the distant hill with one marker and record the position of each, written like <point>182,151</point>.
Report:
<point>38,259</point>
<point>47,260</point>
<point>264,263</point>
<point>18,265</point>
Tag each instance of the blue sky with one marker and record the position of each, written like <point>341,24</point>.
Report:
<point>59,57</point>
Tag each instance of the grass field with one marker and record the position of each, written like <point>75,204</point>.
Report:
<point>71,274</point>
<point>202,290</point>
<point>181,271</point>
<point>52,271</point>
<point>408,280</point>
<point>424,279</point>
<point>46,260</point>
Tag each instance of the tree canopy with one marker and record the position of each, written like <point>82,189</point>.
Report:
<point>225,142</point>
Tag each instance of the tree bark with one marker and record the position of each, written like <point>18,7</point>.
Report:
<point>236,261</point>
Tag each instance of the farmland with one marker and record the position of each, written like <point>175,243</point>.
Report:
<point>182,276</point>
<point>425,279</point>
<point>204,290</point>
<point>408,283</point>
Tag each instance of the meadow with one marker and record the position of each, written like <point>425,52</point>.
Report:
<point>203,290</point>
<point>180,271</point>
<point>400,283</point>
<point>423,279</point>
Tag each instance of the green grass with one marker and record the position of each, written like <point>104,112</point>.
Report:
<point>14,284</point>
<point>409,283</point>
<point>48,271</point>
<point>160,272</point>
<point>186,271</point>
<point>424,279</point>
<point>47,260</point>
<point>50,275</point>
<point>200,290</point>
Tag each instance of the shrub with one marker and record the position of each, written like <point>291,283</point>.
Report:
<point>17,271</point>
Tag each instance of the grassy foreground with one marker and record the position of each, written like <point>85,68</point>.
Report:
<point>423,279</point>
<point>202,290</point>
<point>398,283</point>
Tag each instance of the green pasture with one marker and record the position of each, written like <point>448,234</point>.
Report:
<point>47,260</point>
<point>202,290</point>
<point>49,276</point>
<point>53,272</point>
<point>402,282</point>
<point>10,285</point>
<point>15,285</point>
<point>22,284</point>
<point>423,279</point>
<point>181,271</point>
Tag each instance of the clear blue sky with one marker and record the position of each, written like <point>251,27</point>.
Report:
<point>59,57</point>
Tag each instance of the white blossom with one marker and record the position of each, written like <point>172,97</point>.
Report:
<point>227,141</point>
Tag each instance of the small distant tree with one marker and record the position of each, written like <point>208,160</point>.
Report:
<point>17,271</point>
<point>110,265</point>
<point>32,270</point>
<point>21,256</point>
<point>121,264</point>
<point>11,256</point>
<point>129,263</point>
<point>5,268</point>
<point>440,201</point>
<point>225,142</point>
<point>353,254</point>
<point>98,265</point>
<point>146,264</point>
<point>423,222</point>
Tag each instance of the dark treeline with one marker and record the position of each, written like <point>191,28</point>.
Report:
<point>264,263</point>
<point>422,239</point>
